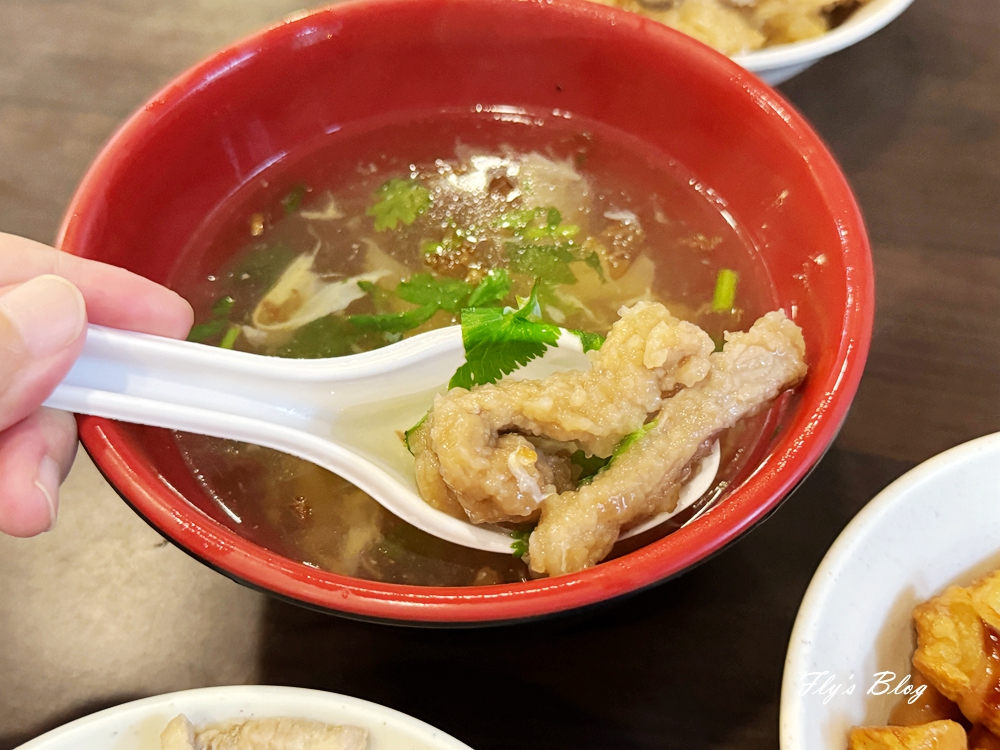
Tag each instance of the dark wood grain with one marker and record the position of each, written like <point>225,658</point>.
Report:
<point>101,610</point>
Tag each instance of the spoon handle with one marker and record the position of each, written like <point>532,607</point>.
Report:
<point>180,385</point>
<point>161,382</point>
<point>287,405</point>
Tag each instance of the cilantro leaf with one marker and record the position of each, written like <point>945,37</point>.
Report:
<point>519,545</point>
<point>379,296</point>
<point>455,239</point>
<point>497,342</point>
<point>603,464</point>
<point>424,289</point>
<point>542,246</point>
<point>494,287</point>
<point>262,268</point>
<point>408,434</point>
<point>631,439</point>
<point>218,323</point>
<point>393,322</point>
<point>399,201</point>
<point>548,262</point>
<point>590,466</point>
<point>591,341</point>
<point>222,307</point>
<point>594,261</point>
<point>329,336</point>
<point>534,224</point>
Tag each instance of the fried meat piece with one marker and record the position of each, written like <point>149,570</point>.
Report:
<point>479,442</point>
<point>958,648</point>
<point>930,705</point>
<point>578,528</point>
<point>985,595</point>
<point>938,735</point>
<point>980,738</point>
<point>263,734</point>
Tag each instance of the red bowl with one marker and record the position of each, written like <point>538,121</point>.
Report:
<point>218,125</point>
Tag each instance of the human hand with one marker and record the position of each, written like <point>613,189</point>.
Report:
<point>46,300</point>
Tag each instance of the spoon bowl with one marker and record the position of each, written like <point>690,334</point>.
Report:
<point>346,414</point>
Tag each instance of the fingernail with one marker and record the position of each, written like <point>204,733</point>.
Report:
<point>48,312</point>
<point>48,480</point>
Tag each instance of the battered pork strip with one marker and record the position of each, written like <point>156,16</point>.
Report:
<point>476,446</point>
<point>263,734</point>
<point>578,528</point>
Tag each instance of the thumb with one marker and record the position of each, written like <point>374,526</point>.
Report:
<point>42,324</point>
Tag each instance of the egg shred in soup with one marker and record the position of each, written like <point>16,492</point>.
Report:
<point>347,247</point>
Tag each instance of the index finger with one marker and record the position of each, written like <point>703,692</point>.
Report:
<point>115,297</point>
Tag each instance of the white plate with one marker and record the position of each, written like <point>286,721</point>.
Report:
<point>137,725</point>
<point>937,525</point>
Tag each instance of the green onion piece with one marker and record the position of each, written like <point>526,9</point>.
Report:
<point>724,298</point>
<point>204,331</point>
<point>293,200</point>
<point>230,338</point>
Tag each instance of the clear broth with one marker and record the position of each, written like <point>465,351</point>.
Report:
<point>310,515</point>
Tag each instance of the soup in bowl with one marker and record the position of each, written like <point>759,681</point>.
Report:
<point>366,172</point>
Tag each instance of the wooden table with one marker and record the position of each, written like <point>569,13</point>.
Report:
<point>102,610</point>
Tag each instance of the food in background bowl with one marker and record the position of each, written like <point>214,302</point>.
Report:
<point>735,26</point>
<point>140,725</point>
<point>250,122</point>
<point>956,681</point>
<point>262,734</point>
<point>792,41</point>
<point>921,551</point>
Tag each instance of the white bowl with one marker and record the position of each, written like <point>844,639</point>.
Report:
<point>777,64</point>
<point>937,525</point>
<point>137,725</point>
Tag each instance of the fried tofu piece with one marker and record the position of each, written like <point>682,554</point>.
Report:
<point>958,652</point>
<point>949,642</point>
<point>938,735</point>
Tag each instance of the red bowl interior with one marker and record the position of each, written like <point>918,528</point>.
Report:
<point>211,130</point>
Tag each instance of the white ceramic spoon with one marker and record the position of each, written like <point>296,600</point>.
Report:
<point>344,414</point>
